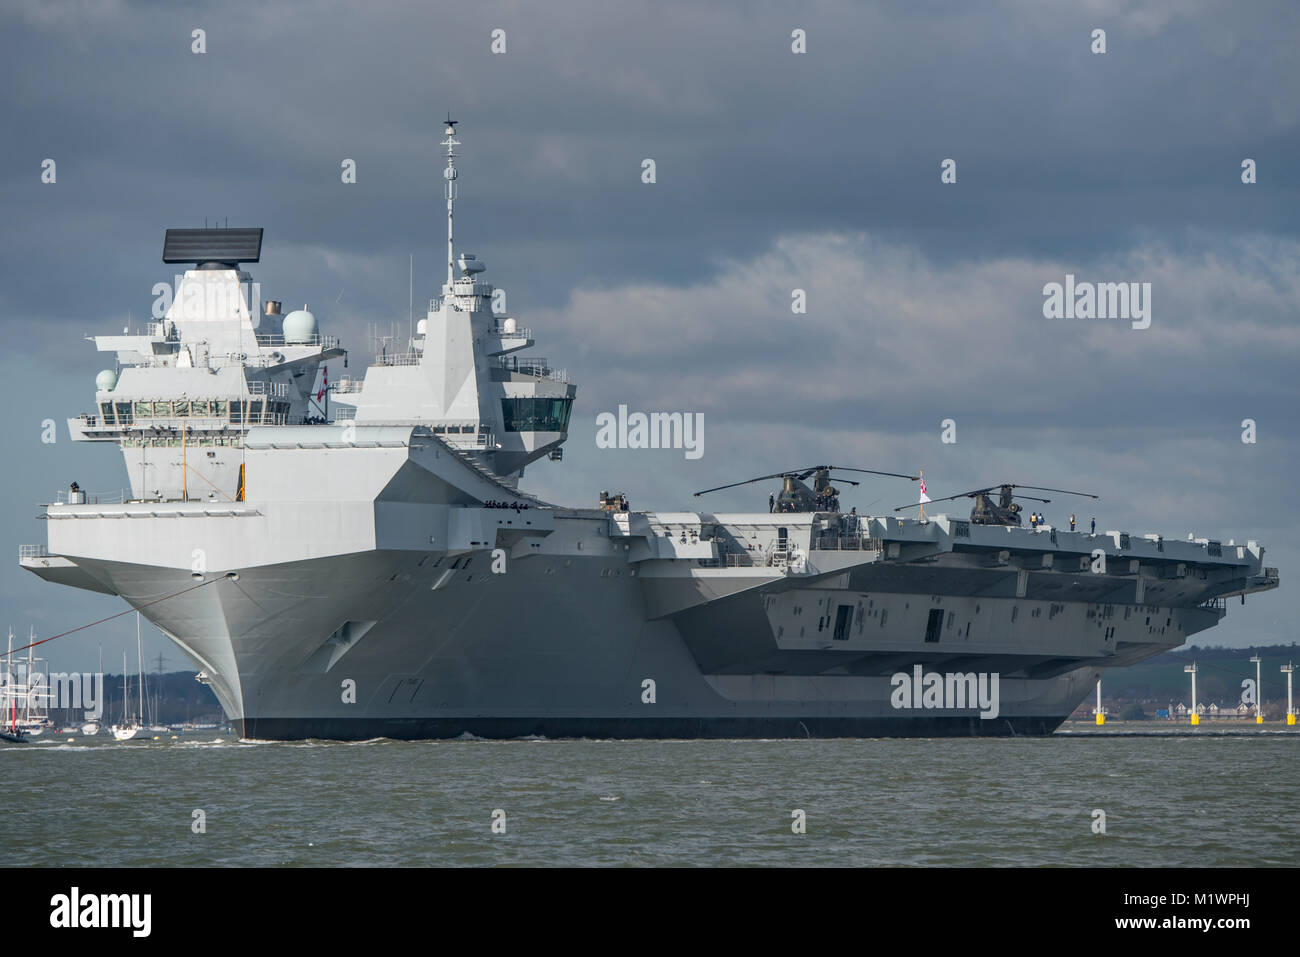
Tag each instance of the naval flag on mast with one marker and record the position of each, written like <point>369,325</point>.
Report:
<point>924,498</point>
<point>324,383</point>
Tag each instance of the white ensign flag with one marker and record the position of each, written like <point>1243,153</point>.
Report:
<point>924,498</point>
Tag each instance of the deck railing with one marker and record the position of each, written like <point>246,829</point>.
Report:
<point>854,543</point>
<point>398,359</point>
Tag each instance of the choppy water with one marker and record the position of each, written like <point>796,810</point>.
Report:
<point>1200,800</point>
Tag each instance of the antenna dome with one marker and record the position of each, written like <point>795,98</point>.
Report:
<point>106,381</point>
<point>299,327</point>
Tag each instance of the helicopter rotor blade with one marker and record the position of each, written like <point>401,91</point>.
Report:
<point>761,478</point>
<point>973,493</point>
<point>842,468</point>
<point>1063,491</point>
<point>802,473</point>
<point>946,498</point>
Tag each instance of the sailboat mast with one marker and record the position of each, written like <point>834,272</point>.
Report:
<point>9,684</point>
<point>139,662</point>
<point>30,691</point>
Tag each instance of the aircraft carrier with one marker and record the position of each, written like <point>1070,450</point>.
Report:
<point>354,558</point>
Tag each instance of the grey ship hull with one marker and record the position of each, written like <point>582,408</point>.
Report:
<point>405,609</point>
<point>543,650</point>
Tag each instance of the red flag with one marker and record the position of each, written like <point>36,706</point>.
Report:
<point>324,384</point>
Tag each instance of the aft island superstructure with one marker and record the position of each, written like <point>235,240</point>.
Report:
<point>354,559</point>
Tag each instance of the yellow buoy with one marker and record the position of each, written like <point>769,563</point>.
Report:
<point>1101,718</point>
<point>1290,719</point>
<point>1196,718</point>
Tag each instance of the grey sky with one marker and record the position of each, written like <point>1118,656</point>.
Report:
<point>775,171</point>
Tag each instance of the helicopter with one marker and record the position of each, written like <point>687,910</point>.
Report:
<point>1005,511</point>
<point>796,496</point>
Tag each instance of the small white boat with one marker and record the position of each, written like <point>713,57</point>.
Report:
<point>90,728</point>
<point>132,725</point>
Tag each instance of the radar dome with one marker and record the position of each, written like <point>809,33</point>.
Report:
<point>299,327</point>
<point>106,381</point>
<point>510,326</point>
<point>421,327</point>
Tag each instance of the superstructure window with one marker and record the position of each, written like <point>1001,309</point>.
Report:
<point>534,414</point>
<point>843,616</point>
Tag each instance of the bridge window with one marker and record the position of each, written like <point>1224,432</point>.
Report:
<point>536,414</point>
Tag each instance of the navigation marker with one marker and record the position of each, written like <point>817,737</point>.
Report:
<point>1259,691</point>
<point>1288,669</point>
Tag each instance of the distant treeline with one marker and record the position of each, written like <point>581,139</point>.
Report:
<point>1220,671</point>
<point>171,698</point>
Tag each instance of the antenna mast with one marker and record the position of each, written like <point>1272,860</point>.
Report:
<point>450,174</point>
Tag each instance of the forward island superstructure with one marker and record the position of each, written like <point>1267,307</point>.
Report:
<point>356,559</point>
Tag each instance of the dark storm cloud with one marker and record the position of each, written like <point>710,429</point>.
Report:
<point>775,171</point>
<point>1058,149</point>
